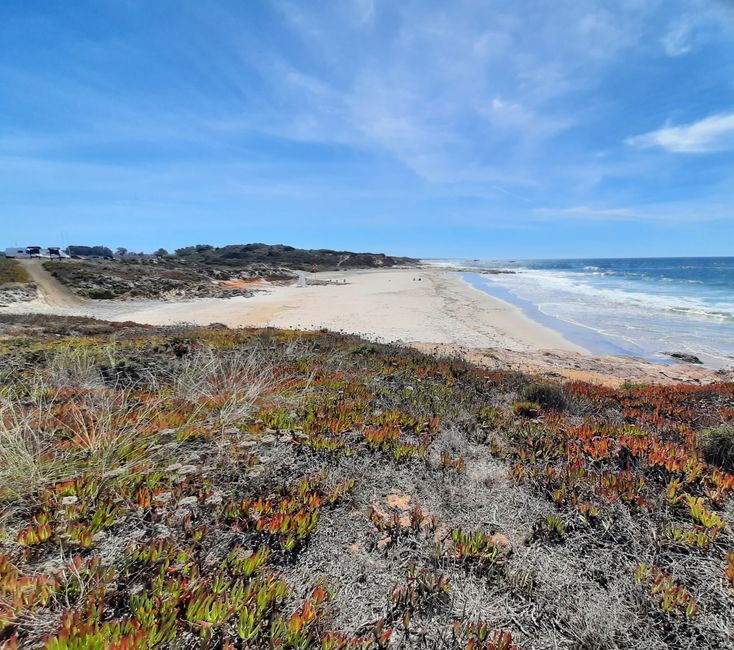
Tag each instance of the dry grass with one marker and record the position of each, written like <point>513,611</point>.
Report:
<point>28,460</point>
<point>12,272</point>
<point>232,381</point>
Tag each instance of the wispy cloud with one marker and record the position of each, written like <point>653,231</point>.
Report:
<point>587,212</point>
<point>678,39</point>
<point>711,134</point>
<point>513,116</point>
<point>409,112</point>
<point>664,212</point>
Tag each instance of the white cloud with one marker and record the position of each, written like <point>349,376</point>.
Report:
<point>715,209</point>
<point>588,212</point>
<point>713,133</point>
<point>678,39</point>
<point>513,116</point>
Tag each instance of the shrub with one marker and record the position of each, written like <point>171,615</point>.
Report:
<point>717,446</point>
<point>549,396</point>
<point>526,409</point>
<point>101,294</point>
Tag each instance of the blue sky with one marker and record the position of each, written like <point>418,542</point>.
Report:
<point>471,128</point>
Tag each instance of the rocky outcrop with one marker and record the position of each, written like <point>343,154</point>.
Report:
<point>159,280</point>
<point>684,357</point>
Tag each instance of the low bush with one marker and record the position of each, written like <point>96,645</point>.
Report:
<point>717,446</point>
<point>526,409</point>
<point>101,294</point>
<point>549,396</point>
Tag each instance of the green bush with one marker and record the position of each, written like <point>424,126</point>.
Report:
<point>526,409</point>
<point>491,417</point>
<point>717,446</point>
<point>549,396</point>
<point>101,294</point>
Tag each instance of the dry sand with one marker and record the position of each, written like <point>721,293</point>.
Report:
<point>428,308</point>
<point>424,306</point>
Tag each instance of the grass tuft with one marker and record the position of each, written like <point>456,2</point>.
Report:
<point>12,272</point>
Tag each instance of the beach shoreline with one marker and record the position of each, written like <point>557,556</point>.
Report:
<point>428,308</point>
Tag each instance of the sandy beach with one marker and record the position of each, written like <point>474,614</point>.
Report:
<point>406,305</point>
<point>428,308</point>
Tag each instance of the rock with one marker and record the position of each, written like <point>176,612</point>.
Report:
<point>399,501</point>
<point>502,542</point>
<point>69,501</point>
<point>684,357</point>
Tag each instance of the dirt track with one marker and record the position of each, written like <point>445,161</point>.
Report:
<point>50,289</point>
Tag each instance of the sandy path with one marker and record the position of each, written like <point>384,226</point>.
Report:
<point>52,292</point>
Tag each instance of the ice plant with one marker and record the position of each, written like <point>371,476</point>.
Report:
<point>673,598</point>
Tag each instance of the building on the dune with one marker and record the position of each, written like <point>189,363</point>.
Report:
<point>28,252</point>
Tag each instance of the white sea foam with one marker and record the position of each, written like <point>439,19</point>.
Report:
<point>546,285</point>
<point>638,312</point>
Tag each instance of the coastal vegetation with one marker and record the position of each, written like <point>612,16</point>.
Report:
<point>15,283</point>
<point>151,279</point>
<point>11,272</point>
<point>296,258</point>
<point>198,271</point>
<point>184,487</point>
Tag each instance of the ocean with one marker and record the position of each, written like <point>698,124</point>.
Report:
<point>638,307</point>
